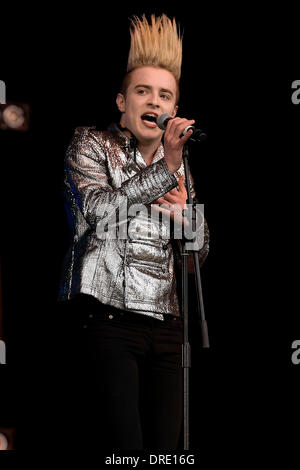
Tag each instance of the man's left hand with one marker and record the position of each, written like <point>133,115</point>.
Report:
<point>173,203</point>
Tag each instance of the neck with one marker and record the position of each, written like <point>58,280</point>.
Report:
<point>148,151</point>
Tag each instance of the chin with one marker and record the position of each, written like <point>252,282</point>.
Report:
<point>151,134</point>
<point>150,138</point>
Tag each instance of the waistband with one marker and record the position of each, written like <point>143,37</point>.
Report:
<point>95,307</point>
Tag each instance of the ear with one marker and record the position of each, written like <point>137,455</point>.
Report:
<point>121,102</point>
<point>175,111</point>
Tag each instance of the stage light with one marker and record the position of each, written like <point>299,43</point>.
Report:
<point>7,438</point>
<point>3,442</point>
<point>14,116</point>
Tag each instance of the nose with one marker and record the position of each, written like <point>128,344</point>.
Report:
<point>153,100</point>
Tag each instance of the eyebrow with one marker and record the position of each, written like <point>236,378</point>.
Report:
<point>150,87</point>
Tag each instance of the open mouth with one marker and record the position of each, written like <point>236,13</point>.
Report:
<point>149,119</point>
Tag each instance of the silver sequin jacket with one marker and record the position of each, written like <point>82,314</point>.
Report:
<point>103,173</point>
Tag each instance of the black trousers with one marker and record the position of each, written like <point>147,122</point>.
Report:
<point>127,377</point>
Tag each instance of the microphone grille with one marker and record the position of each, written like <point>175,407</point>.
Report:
<point>161,120</point>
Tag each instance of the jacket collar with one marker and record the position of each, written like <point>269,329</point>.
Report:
<point>121,138</point>
<point>127,146</point>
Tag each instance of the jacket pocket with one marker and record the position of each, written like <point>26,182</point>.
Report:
<point>148,254</point>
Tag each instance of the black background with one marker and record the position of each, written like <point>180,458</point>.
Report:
<point>69,70</point>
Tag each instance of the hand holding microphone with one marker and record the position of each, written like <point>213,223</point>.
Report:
<point>173,142</point>
<point>198,134</point>
<point>177,132</point>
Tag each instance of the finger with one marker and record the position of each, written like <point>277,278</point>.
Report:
<point>170,197</point>
<point>181,182</point>
<point>173,192</point>
<point>172,124</point>
<point>179,123</point>
<point>178,218</point>
<point>178,187</point>
<point>174,208</point>
<point>178,197</point>
<point>173,216</point>
<point>162,200</point>
<point>186,137</point>
<point>177,126</point>
<point>162,210</point>
<point>182,126</point>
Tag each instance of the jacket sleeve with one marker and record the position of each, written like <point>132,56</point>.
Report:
<point>202,230</point>
<point>87,177</point>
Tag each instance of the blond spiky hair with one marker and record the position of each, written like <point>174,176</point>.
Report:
<point>157,44</point>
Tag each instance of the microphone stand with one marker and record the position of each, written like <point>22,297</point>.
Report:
<point>186,352</point>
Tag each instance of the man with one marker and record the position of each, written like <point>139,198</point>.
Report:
<point>123,288</point>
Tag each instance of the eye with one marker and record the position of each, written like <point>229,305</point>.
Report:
<point>165,97</point>
<point>141,91</point>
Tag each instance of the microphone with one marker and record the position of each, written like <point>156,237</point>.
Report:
<point>197,136</point>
